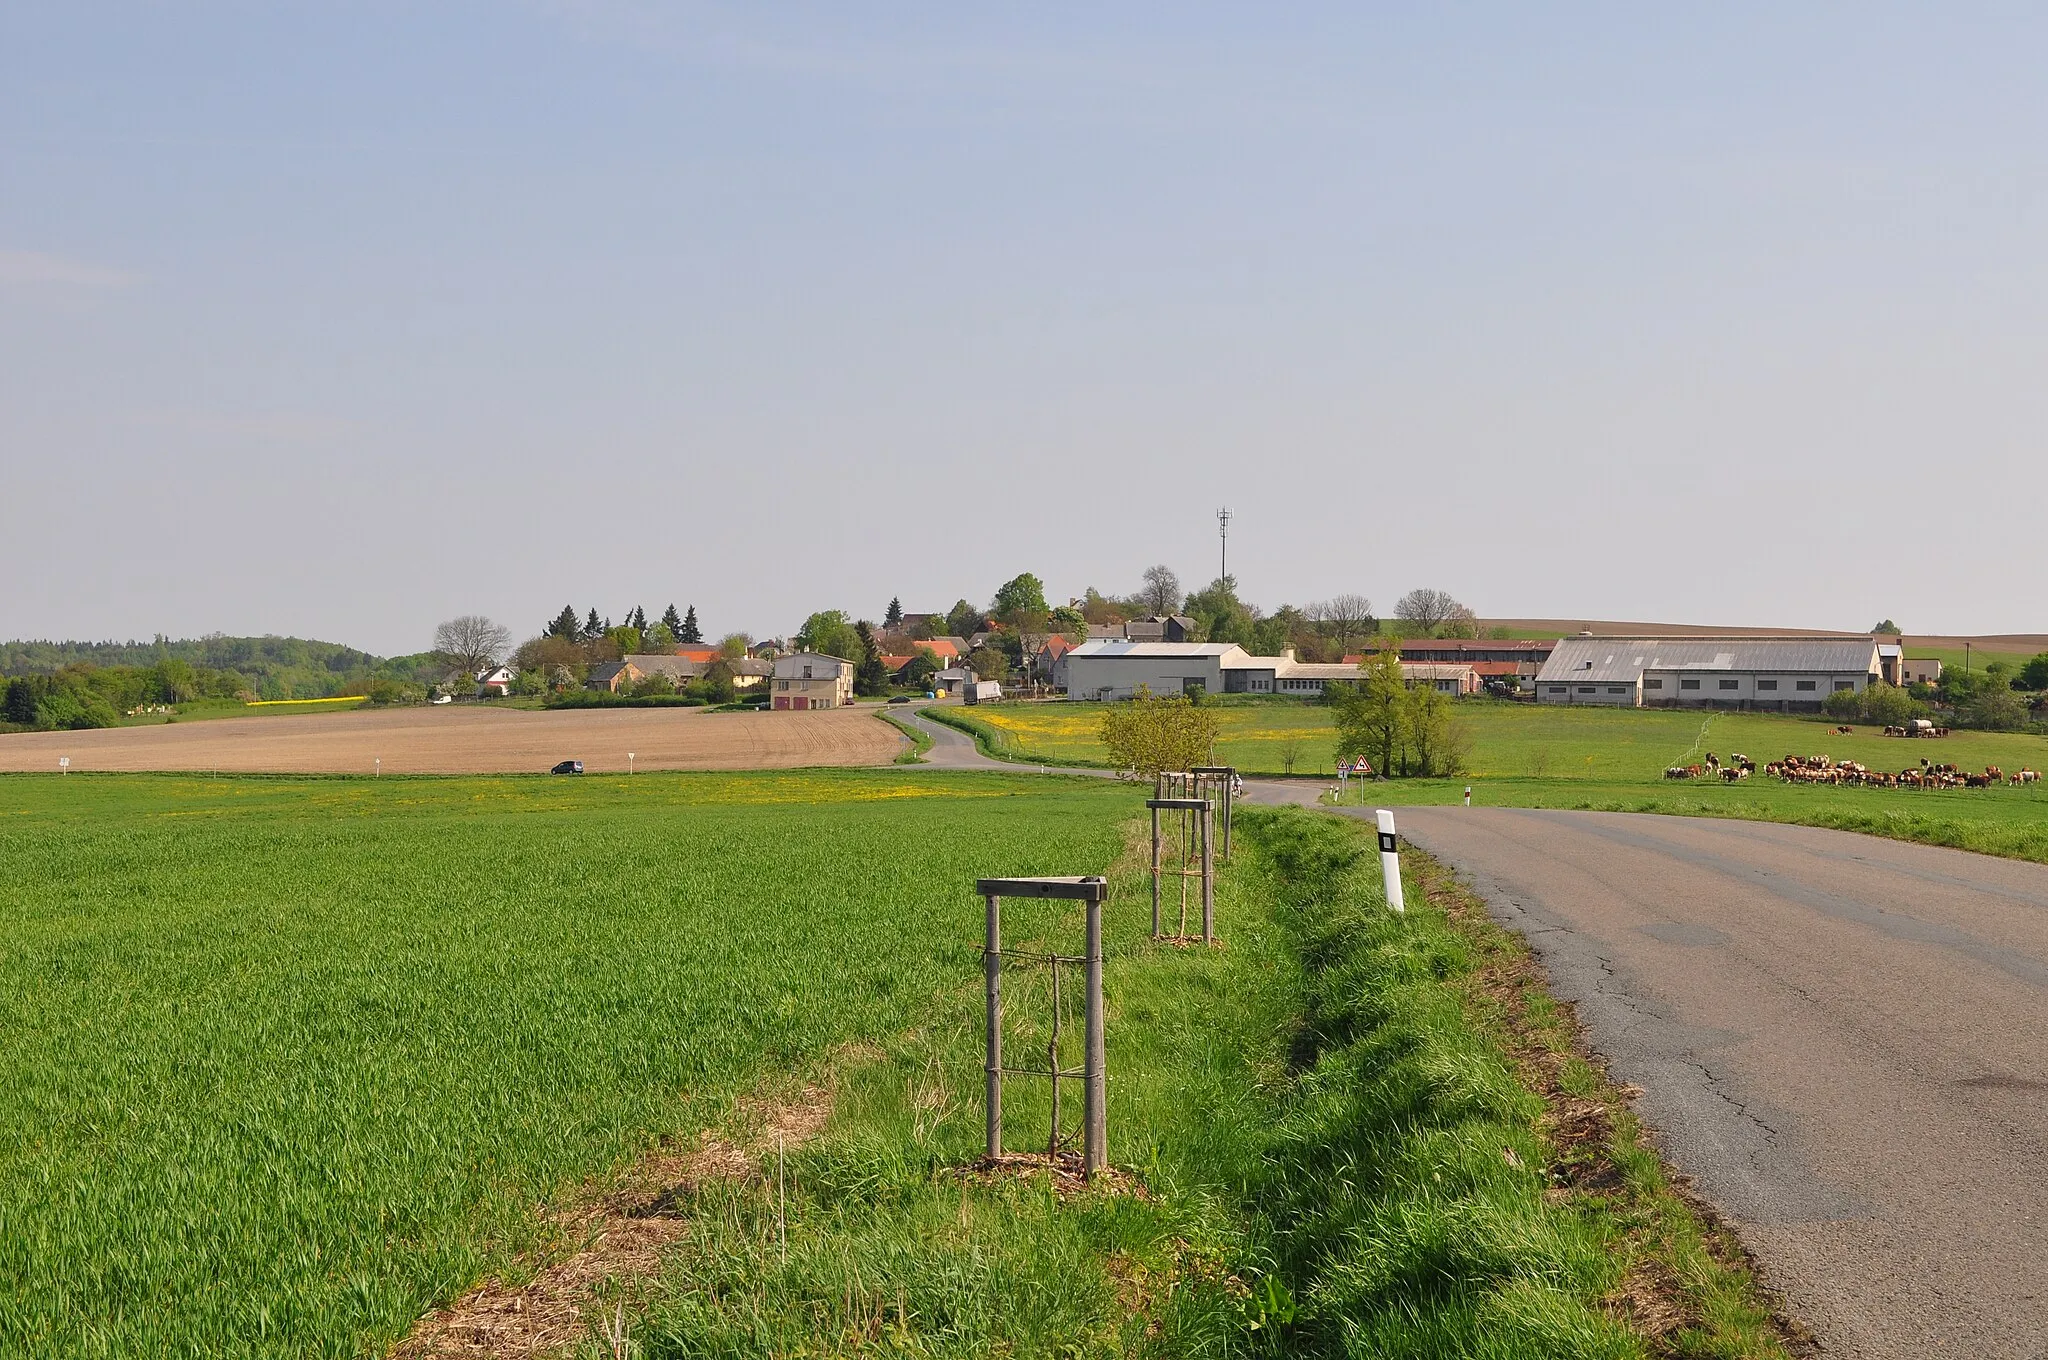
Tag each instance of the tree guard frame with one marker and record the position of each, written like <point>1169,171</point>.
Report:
<point>1093,891</point>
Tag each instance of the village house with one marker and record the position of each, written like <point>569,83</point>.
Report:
<point>811,680</point>
<point>495,683</point>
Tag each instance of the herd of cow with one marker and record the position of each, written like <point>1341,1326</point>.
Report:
<point>1821,770</point>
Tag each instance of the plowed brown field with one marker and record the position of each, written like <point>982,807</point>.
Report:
<point>465,740</point>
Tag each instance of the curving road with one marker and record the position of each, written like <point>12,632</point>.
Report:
<point>1843,1040</point>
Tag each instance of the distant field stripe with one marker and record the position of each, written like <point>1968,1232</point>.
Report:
<point>337,699</point>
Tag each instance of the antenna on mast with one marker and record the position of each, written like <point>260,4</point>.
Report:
<point>1223,531</point>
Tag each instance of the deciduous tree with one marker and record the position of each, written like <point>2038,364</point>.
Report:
<point>1020,602</point>
<point>472,642</point>
<point>1424,609</point>
<point>1148,734</point>
<point>1345,619</point>
<point>1372,716</point>
<point>828,631</point>
<point>963,619</point>
<point>1161,591</point>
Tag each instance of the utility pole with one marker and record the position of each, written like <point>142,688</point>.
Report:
<point>1223,530</point>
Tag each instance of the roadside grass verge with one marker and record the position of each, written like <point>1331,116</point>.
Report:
<point>1339,1134</point>
<point>920,740</point>
<point>2008,822</point>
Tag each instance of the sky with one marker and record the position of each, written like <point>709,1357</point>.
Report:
<point>340,320</point>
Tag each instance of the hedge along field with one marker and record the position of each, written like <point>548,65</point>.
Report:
<point>1513,739</point>
<point>289,1061</point>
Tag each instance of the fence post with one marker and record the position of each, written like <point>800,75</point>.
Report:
<point>1095,1079</point>
<point>992,965</point>
<point>1207,818</point>
<point>1155,868</point>
<point>1390,861</point>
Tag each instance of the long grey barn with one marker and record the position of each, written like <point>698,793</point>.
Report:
<point>1775,674</point>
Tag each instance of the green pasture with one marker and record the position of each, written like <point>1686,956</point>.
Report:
<point>289,1061</point>
<point>1509,740</point>
<point>292,1061</point>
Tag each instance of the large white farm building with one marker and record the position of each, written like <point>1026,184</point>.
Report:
<point>1776,674</point>
<point>1113,669</point>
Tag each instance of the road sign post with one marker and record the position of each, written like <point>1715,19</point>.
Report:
<point>1390,861</point>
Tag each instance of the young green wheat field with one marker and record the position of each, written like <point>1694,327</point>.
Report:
<point>287,1061</point>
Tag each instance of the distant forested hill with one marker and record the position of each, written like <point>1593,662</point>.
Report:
<point>272,667</point>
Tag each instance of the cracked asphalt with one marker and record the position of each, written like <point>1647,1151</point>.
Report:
<point>1839,1038</point>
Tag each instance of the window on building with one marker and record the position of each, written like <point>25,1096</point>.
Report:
<point>1802,685</point>
<point>1586,689</point>
<point>1766,684</point>
<point>1841,685</point>
<point>1688,684</point>
<point>1731,684</point>
<point>1653,684</point>
<point>1560,689</point>
<point>1617,689</point>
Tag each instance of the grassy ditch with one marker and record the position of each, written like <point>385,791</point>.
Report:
<point>1339,1134</point>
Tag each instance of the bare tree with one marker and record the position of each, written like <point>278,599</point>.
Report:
<point>1460,623</point>
<point>1161,593</point>
<point>1346,618</point>
<point>1427,609</point>
<point>472,642</point>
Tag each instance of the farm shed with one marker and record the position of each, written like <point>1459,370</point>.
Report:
<point>1109,669</point>
<point>1776,674</point>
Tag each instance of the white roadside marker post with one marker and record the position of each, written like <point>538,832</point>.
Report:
<point>629,763</point>
<point>1390,862</point>
<point>1468,795</point>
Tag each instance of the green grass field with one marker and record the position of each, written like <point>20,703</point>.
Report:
<point>290,1060</point>
<point>1512,740</point>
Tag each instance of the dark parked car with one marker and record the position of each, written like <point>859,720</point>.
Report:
<point>900,699</point>
<point>568,767</point>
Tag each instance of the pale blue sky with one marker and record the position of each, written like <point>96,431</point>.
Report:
<point>338,320</point>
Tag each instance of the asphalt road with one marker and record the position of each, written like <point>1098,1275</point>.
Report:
<point>1839,1038</point>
